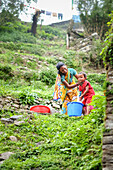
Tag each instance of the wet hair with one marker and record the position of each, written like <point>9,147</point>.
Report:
<point>59,64</point>
<point>83,73</point>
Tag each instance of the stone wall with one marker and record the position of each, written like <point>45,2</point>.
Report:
<point>80,43</point>
<point>14,105</point>
<point>108,134</point>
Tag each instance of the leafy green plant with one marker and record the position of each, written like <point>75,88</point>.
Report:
<point>29,76</point>
<point>48,75</point>
<point>107,51</point>
<point>27,98</point>
<point>56,141</point>
<point>19,60</point>
<point>72,60</point>
<point>10,45</point>
<point>5,72</point>
<point>98,78</point>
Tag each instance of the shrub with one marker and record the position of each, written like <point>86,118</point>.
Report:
<point>23,47</point>
<point>33,49</point>
<point>19,60</point>
<point>72,60</point>
<point>98,78</point>
<point>12,26</point>
<point>17,36</point>
<point>28,76</point>
<point>10,45</point>
<point>51,30</point>
<point>48,75</point>
<point>5,72</point>
<point>27,98</point>
<point>42,34</point>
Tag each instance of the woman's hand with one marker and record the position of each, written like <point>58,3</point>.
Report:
<point>77,84</point>
<point>68,85</point>
<point>80,98</point>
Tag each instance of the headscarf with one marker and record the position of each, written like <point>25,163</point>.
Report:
<point>59,64</point>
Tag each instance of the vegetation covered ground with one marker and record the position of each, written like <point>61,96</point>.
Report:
<point>27,71</point>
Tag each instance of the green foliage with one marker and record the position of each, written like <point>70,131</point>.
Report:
<point>33,49</point>
<point>5,72</point>
<point>27,98</point>
<point>56,141</point>
<point>97,81</point>
<point>29,48</point>
<point>96,78</point>
<point>45,36</point>
<point>94,15</point>
<point>10,10</point>
<point>13,26</point>
<point>18,32</point>
<point>48,75</point>
<point>49,33</point>
<point>17,36</point>
<point>99,103</point>
<point>107,51</point>
<point>10,45</point>
<point>96,59</point>
<point>29,76</point>
<point>51,30</point>
<point>19,60</point>
<point>72,60</point>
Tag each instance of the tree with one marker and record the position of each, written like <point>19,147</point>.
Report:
<point>34,24</point>
<point>94,15</point>
<point>10,10</point>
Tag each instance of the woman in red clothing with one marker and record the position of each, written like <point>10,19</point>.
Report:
<point>86,92</point>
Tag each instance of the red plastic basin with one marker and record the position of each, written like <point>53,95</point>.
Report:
<point>40,109</point>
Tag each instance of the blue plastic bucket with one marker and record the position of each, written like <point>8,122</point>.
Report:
<point>74,109</point>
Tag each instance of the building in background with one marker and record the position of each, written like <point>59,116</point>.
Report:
<point>52,11</point>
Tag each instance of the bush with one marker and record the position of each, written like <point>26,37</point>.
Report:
<point>10,45</point>
<point>72,60</point>
<point>42,34</point>
<point>32,49</point>
<point>98,78</point>
<point>28,76</point>
<point>5,72</point>
<point>13,26</point>
<point>48,75</point>
<point>51,30</point>
<point>27,98</point>
<point>17,36</point>
<point>23,47</point>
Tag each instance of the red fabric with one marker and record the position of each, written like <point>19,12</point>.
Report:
<point>91,107</point>
<point>88,96</point>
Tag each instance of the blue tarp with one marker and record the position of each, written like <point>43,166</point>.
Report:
<point>76,18</point>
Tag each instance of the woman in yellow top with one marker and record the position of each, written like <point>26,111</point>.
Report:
<point>65,87</point>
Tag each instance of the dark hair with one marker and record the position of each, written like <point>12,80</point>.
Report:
<point>59,64</point>
<point>83,74</point>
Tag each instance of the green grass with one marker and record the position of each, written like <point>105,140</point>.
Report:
<point>28,70</point>
<point>65,142</point>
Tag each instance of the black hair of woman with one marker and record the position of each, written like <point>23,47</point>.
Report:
<point>59,64</point>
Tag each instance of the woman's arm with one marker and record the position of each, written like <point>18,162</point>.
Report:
<point>68,85</point>
<point>77,75</point>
